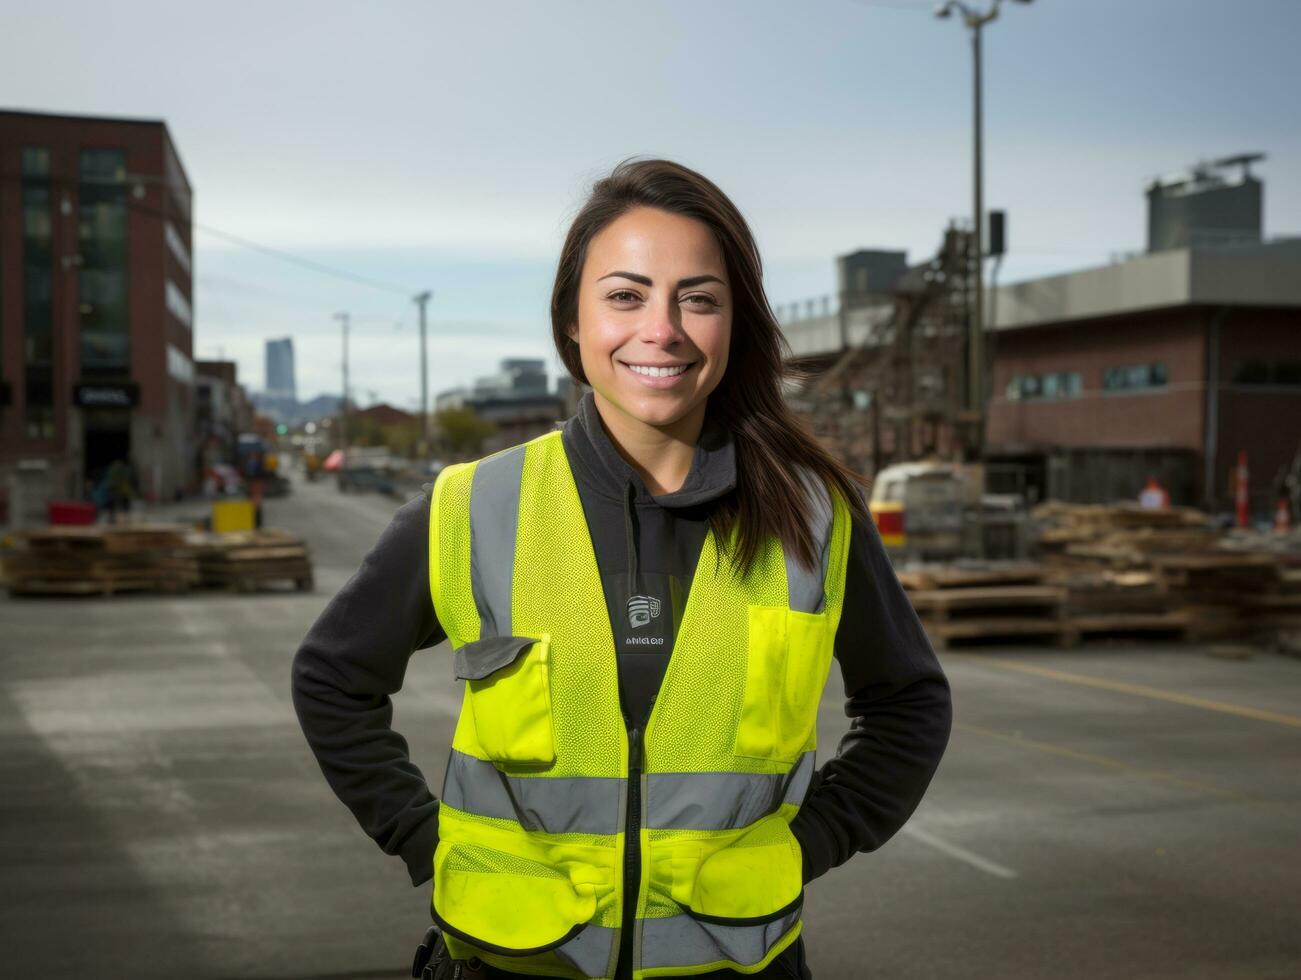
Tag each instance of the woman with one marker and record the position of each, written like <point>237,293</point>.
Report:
<point>682,509</point>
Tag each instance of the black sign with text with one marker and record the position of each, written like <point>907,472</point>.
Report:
<point>103,395</point>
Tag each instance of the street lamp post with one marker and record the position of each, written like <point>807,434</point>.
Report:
<point>975,21</point>
<point>343,405</point>
<point>422,300</point>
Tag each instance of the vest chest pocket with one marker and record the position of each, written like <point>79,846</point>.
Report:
<point>509,694</point>
<point>787,658</point>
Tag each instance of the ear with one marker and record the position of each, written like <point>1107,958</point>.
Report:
<point>571,332</point>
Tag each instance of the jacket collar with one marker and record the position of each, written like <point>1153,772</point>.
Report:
<point>595,459</point>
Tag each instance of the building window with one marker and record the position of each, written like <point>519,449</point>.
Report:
<point>102,237</point>
<point>1134,377</point>
<point>177,303</point>
<point>179,366</point>
<point>38,294</point>
<point>1273,374</point>
<point>176,246</point>
<point>1051,386</point>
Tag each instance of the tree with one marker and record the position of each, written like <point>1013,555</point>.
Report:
<point>462,432</point>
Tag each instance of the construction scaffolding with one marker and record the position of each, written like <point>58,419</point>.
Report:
<point>897,390</point>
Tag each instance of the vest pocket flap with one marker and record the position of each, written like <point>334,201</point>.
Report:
<point>508,695</point>
<point>756,878</point>
<point>476,660</point>
<point>505,903</point>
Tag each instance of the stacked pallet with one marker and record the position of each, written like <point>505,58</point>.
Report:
<point>984,601</point>
<point>246,561</point>
<point>100,560</point>
<point>1132,570</point>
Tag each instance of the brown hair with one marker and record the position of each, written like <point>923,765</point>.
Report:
<point>769,438</point>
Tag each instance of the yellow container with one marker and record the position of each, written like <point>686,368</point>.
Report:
<point>234,515</point>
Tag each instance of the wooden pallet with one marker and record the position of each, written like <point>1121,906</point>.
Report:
<point>1099,625</point>
<point>943,633</point>
<point>1028,600</point>
<point>100,560</point>
<point>249,561</point>
<point>105,585</point>
<point>926,577</point>
<point>990,613</point>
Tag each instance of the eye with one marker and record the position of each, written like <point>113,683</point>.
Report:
<point>624,296</point>
<point>708,300</point>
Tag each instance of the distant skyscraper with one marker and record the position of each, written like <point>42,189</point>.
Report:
<point>280,369</point>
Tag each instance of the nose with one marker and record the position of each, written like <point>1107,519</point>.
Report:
<point>664,324</point>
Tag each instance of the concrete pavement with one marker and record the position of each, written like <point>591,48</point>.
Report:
<point>1126,811</point>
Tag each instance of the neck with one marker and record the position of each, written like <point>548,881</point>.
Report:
<point>661,455</point>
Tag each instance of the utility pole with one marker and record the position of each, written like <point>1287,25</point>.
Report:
<point>422,300</point>
<point>975,22</point>
<point>343,404</point>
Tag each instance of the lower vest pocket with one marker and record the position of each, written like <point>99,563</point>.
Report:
<point>504,903</point>
<point>754,879</point>
<point>509,694</point>
<point>788,656</point>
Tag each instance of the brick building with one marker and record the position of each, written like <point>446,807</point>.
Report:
<point>1167,364</point>
<point>96,314</point>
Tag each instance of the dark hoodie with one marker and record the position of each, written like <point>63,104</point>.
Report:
<point>354,657</point>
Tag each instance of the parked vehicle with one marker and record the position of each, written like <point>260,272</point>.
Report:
<point>919,509</point>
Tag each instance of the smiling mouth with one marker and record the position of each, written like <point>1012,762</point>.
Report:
<point>651,371</point>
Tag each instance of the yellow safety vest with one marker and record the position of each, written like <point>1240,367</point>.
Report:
<point>544,790</point>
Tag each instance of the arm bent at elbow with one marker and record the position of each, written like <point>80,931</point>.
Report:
<point>351,661</point>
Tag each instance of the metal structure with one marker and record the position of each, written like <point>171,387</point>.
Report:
<point>896,395</point>
<point>975,22</point>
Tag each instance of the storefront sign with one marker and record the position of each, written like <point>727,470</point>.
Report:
<point>107,395</point>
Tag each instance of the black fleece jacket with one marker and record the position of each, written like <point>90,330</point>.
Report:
<point>355,655</point>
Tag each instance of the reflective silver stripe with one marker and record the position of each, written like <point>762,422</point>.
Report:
<point>591,952</point>
<point>804,586</point>
<point>554,804</point>
<point>494,520</point>
<point>722,800</point>
<point>683,941</point>
<point>800,777</point>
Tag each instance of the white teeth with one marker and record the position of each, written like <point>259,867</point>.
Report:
<point>655,372</point>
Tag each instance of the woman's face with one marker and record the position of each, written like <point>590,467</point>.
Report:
<point>654,317</point>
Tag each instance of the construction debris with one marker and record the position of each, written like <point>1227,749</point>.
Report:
<point>245,561</point>
<point>1134,569</point>
<point>1119,570</point>
<point>171,558</point>
<point>100,561</point>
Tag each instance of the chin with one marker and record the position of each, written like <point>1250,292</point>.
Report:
<point>659,412</point>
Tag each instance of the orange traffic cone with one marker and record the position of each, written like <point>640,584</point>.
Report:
<point>1282,516</point>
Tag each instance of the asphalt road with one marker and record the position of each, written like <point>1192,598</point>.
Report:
<point>1119,811</point>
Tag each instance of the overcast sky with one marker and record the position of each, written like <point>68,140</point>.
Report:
<point>446,146</point>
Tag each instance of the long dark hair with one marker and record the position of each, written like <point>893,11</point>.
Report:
<point>770,498</point>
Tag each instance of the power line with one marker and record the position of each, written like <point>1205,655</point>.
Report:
<point>304,262</point>
<point>279,253</point>
<point>922,8</point>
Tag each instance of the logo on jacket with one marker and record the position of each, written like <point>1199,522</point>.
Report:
<point>642,609</point>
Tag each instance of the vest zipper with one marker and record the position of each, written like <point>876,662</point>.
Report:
<point>631,855</point>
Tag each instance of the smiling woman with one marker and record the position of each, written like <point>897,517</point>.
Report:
<point>660,271</point>
<point>644,608</point>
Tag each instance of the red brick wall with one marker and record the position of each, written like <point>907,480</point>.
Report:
<point>1264,421</point>
<point>1166,417</point>
<point>66,137</point>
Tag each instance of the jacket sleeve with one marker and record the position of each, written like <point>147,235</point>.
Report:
<point>901,715</point>
<point>350,662</point>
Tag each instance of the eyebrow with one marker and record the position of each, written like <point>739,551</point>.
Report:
<point>682,283</point>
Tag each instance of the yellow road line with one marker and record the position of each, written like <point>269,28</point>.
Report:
<point>1141,690</point>
<point>1106,761</point>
